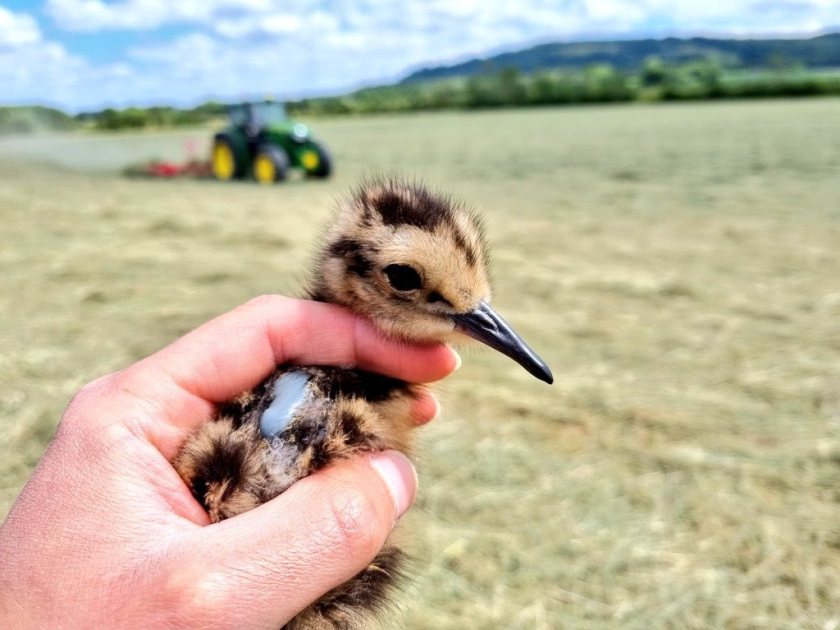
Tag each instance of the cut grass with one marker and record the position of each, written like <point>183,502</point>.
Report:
<point>676,265</point>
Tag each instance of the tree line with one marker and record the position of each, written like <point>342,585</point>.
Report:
<point>599,83</point>
<point>655,80</point>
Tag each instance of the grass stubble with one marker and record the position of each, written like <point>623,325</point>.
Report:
<point>676,265</point>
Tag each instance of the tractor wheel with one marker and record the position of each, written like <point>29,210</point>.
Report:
<point>223,160</point>
<point>316,161</point>
<point>271,164</point>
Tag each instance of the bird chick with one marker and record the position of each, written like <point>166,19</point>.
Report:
<point>415,264</point>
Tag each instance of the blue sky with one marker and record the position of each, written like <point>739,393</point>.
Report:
<point>88,54</point>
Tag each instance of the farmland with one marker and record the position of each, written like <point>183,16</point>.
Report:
<point>676,265</point>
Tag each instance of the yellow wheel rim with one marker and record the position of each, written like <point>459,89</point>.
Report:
<point>223,164</point>
<point>310,160</point>
<point>264,171</point>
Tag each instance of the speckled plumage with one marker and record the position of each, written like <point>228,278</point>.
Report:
<point>415,264</point>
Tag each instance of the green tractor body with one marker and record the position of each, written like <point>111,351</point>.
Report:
<point>262,143</point>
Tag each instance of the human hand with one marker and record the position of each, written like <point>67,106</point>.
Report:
<point>105,533</point>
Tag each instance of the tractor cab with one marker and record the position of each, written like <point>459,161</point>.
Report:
<point>261,141</point>
<point>253,117</point>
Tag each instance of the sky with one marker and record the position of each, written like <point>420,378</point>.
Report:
<point>81,55</point>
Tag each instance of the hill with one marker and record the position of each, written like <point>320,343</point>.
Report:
<point>28,119</point>
<point>549,74</point>
<point>816,52</point>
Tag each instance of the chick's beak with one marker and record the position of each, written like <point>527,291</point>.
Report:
<point>487,326</point>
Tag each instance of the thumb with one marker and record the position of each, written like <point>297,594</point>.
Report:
<point>261,568</point>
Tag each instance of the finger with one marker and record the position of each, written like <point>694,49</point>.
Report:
<point>425,406</point>
<point>235,351</point>
<point>285,554</point>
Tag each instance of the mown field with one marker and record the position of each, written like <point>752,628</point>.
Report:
<point>677,265</point>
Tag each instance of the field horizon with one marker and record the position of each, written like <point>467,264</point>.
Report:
<point>675,264</point>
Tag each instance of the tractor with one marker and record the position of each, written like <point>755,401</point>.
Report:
<point>262,143</point>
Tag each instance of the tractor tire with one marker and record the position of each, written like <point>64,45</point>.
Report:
<point>323,167</point>
<point>271,164</point>
<point>223,160</point>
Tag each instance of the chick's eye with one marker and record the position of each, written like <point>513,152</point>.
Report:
<point>403,277</point>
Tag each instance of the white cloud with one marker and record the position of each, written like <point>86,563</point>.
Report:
<point>45,73</point>
<point>17,29</point>
<point>243,18</point>
<point>755,17</point>
<point>236,48</point>
<point>96,15</point>
<point>271,24</point>
<point>35,70</point>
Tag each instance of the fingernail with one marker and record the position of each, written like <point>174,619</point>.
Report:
<point>458,360</point>
<point>399,476</point>
<point>437,408</point>
<point>424,402</point>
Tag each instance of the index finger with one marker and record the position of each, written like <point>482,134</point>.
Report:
<point>235,351</point>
